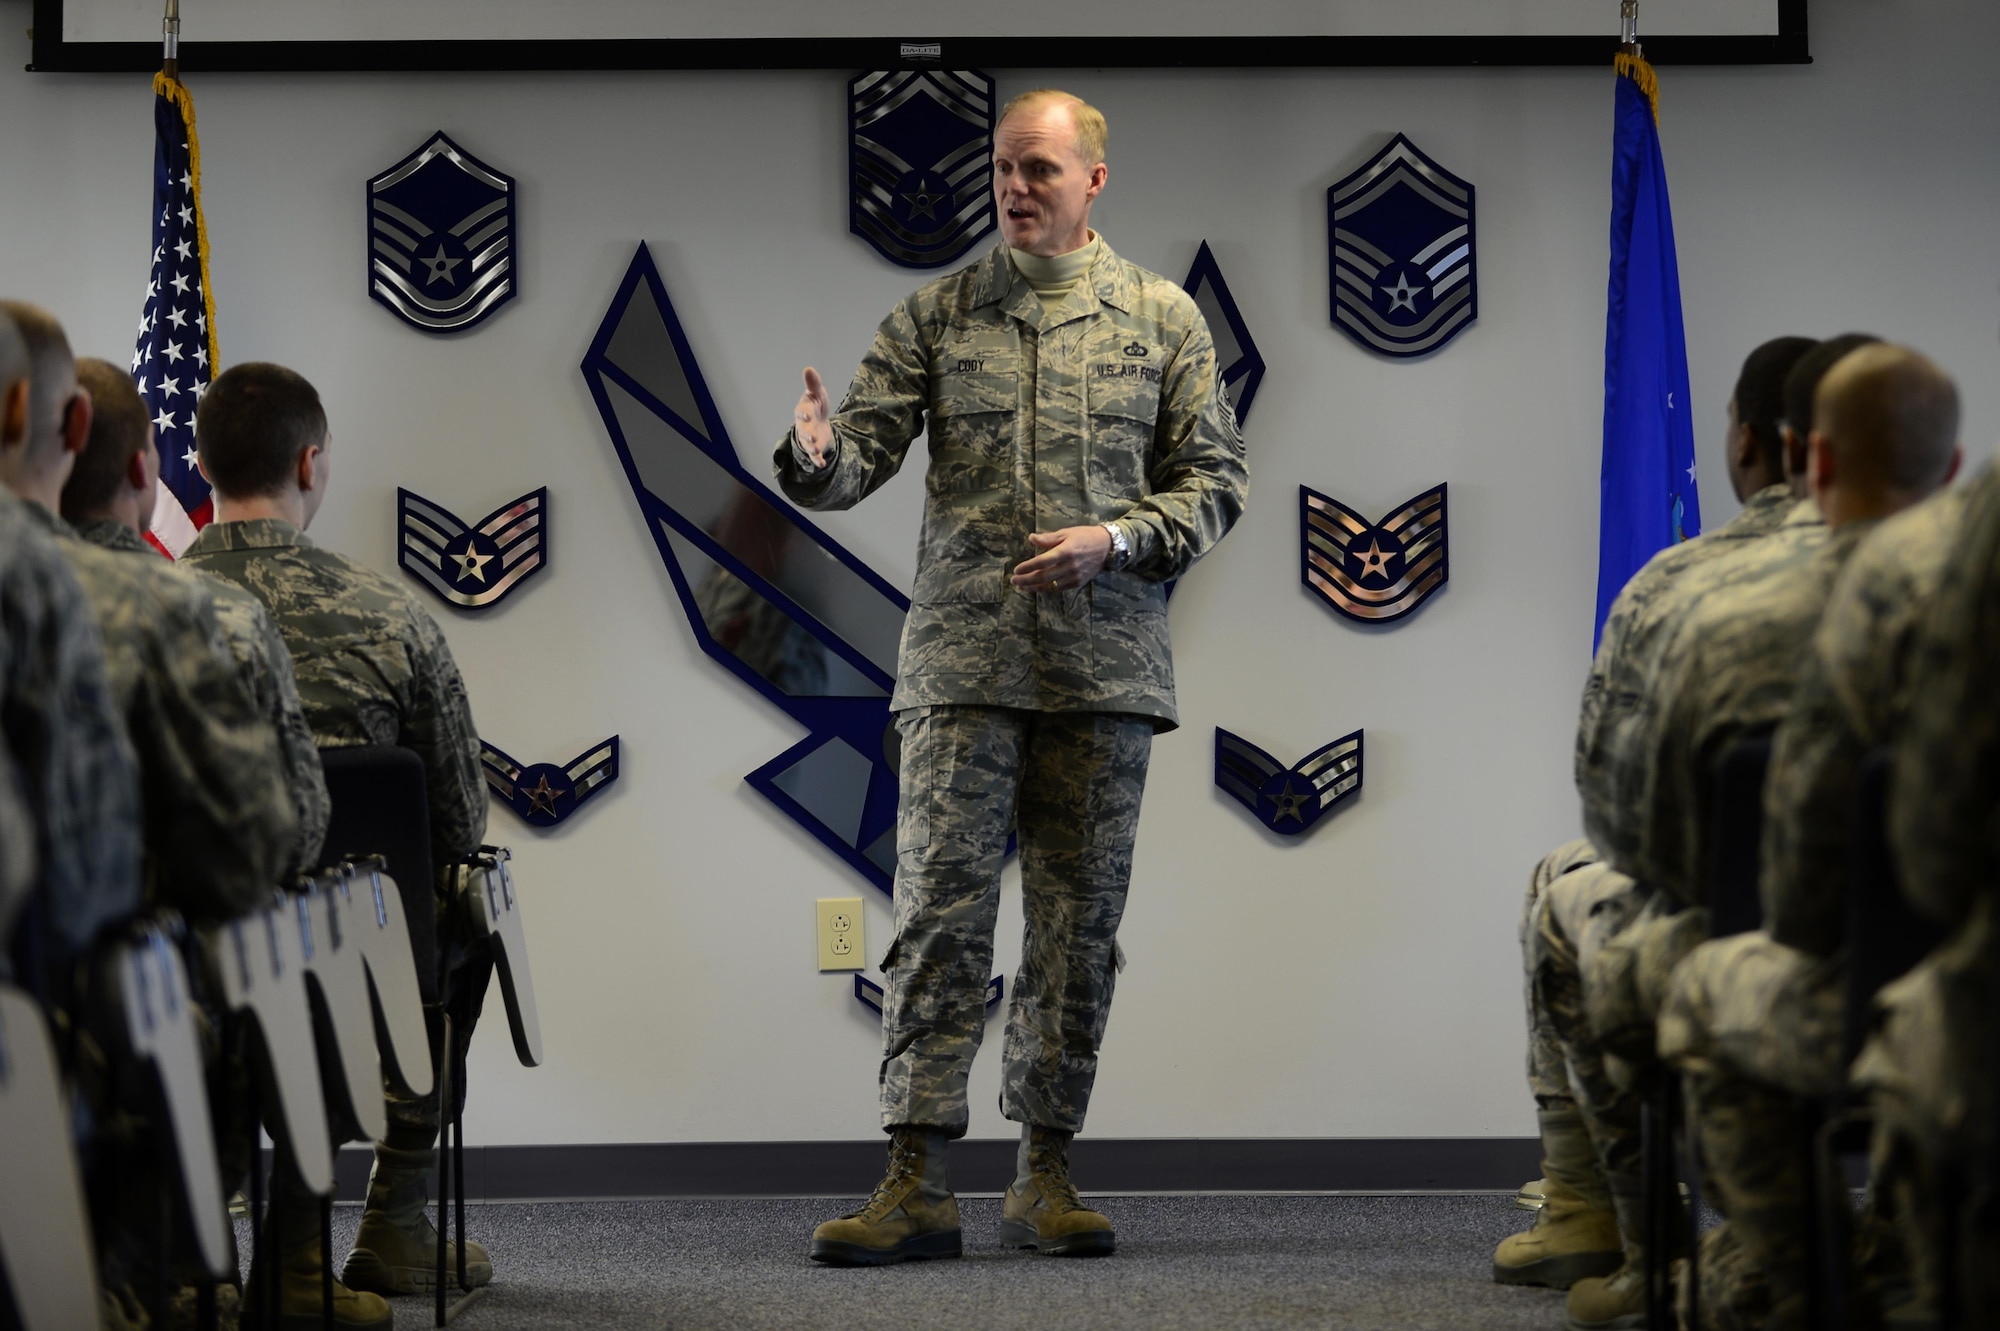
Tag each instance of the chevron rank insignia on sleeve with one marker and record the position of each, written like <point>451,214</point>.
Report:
<point>1288,799</point>
<point>544,794</point>
<point>472,565</point>
<point>1376,572</point>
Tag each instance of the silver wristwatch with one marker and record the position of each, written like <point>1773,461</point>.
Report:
<point>1121,549</point>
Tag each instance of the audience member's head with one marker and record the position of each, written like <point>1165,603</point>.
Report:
<point>13,383</point>
<point>118,472</point>
<point>36,459</point>
<point>1800,385</point>
<point>1756,409</point>
<point>1885,433</point>
<point>262,439</point>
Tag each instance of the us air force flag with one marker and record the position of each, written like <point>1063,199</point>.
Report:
<point>544,794</point>
<point>1649,499</point>
<point>441,238</point>
<point>1288,799</point>
<point>472,565</point>
<point>1375,572</point>
<point>1404,274</point>
<point>920,163</point>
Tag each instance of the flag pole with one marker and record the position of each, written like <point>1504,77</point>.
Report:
<point>170,32</point>
<point>1628,27</point>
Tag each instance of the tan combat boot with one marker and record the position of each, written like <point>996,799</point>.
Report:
<point>1575,1234</point>
<point>1042,1210</point>
<point>912,1216</point>
<point>395,1250</point>
<point>1618,1301</point>
<point>299,1266</point>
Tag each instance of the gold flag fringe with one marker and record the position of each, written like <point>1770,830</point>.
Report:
<point>174,88</point>
<point>1636,68</point>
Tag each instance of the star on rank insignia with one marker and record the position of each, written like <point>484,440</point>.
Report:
<point>1288,799</point>
<point>441,241</point>
<point>474,565</point>
<point>544,794</point>
<point>1376,572</point>
<point>1403,276</point>
<point>920,163</point>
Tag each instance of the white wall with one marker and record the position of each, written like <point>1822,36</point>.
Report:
<point>1358,981</point>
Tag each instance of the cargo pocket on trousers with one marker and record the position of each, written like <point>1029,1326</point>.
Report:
<point>913,816</point>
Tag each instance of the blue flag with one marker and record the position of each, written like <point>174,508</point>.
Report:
<point>1648,496</point>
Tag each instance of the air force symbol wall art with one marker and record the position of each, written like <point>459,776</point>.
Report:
<point>1242,365</point>
<point>1375,572</point>
<point>441,242</point>
<point>544,794</point>
<point>1402,264</point>
<point>1288,800</point>
<point>472,565</point>
<point>920,163</point>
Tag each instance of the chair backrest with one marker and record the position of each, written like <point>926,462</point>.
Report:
<point>1885,936</point>
<point>381,806</point>
<point>1736,826</point>
<point>46,1260</point>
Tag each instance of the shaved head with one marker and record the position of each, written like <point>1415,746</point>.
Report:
<point>1891,417</point>
<point>51,372</point>
<point>13,351</point>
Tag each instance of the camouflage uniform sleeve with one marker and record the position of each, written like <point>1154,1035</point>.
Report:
<point>882,414</point>
<point>438,728</point>
<point>1943,795</point>
<point>1200,475</point>
<point>218,816</point>
<point>1816,758</point>
<point>304,776</point>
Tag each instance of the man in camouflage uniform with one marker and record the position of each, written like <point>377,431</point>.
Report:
<point>76,779</point>
<point>109,499</point>
<point>1884,438</point>
<point>1576,900</point>
<point>1082,452</point>
<point>1931,1063</point>
<point>372,668</point>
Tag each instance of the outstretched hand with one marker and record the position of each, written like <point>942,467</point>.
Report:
<point>809,419</point>
<point>1067,560</point>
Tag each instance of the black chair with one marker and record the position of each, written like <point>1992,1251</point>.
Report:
<point>1736,835</point>
<point>381,806</point>
<point>1885,938</point>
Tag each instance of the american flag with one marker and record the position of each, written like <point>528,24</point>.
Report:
<point>175,357</point>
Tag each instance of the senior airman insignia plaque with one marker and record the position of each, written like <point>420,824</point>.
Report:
<point>472,565</point>
<point>441,239</point>
<point>870,993</point>
<point>1288,800</point>
<point>1376,572</point>
<point>920,163</point>
<point>544,794</point>
<point>1235,352</point>
<point>1403,273</point>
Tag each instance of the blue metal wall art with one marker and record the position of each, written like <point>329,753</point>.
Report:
<point>1235,351</point>
<point>769,596</point>
<point>441,239</point>
<point>920,163</point>
<point>1288,800</point>
<point>544,794</point>
<point>870,993</point>
<point>472,565</point>
<point>1375,572</point>
<point>1403,266</point>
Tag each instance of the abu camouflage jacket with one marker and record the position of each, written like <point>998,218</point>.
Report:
<point>1109,408</point>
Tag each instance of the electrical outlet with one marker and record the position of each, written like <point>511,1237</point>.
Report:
<point>840,945</point>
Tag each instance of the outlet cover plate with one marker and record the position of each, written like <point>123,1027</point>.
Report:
<point>840,939</point>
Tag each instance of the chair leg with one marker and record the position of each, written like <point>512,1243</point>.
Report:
<point>445,1097</point>
<point>1660,1181</point>
<point>207,1315</point>
<point>458,1182</point>
<point>326,1263</point>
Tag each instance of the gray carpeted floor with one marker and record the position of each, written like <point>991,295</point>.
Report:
<point>1182,1262</point>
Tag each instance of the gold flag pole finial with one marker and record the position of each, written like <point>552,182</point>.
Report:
<point>170,32</point>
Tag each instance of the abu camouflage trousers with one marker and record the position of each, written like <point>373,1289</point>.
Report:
<point>1931,1075</point>
<point>1548,1073</point>
<point>467,968</point>
<point>1755,1029</point>
<point>1068,784</point>
<point>1577,915</point>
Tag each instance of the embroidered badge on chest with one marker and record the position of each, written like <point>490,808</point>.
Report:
<point>920,163</point>
<point>1376,572</point>
<point>441,240</point>
<point>1403,266</point>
